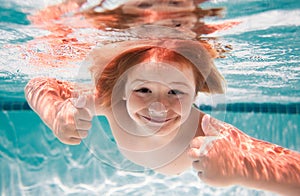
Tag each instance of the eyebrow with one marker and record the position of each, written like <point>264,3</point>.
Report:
<point>176,83</point>
<point>138,80</point>
<point>180,83</point>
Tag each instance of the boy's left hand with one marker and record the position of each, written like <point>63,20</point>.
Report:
<point>217,156</point>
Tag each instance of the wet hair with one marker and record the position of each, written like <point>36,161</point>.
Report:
<point>207,77</point>
<point>117,18</point>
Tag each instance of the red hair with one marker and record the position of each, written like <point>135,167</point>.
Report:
<point>106,80</point>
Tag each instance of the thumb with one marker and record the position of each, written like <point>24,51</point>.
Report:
<point>211,134</point>
<point>79,102</point>
<point>207,127</point>
<point>90,103</point>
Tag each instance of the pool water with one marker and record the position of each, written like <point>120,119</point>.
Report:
<point>263,100</point>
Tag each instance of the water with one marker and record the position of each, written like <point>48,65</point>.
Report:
<point>261,71</point>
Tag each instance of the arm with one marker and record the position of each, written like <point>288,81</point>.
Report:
<point>236,158</point>
<point>45,95</point>
<point>65,112</point>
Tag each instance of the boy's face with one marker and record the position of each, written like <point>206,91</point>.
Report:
<point>159,96</point>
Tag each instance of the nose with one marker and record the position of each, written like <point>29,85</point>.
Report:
<point>157,109</point>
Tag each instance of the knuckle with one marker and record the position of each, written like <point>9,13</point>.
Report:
<point>78,124</point>
<point>192,152</point>
<point>75,113</point>
<point>85,114</point>
<point>197,142</point>
<point>86,125</point>
<point>83,134</point>
<point>89,125</point>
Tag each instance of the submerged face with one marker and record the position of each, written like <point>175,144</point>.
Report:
<point>159,96</point>
<point>162,6</point>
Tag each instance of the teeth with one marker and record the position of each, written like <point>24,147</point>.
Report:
<point>156,120</point>
<point>159,121</point>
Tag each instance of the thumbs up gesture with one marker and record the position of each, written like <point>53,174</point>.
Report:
<point>218,156</point>
<point>74,119</point>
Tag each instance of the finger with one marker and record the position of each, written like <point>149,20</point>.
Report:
<point>90,103</point>
<point>201,175</point>
<point>200,146</point>
<point>83,114</point>
<point>83,124</point>
<point>198,165</point>
<point>208,144</point>
<point>79,102</point>
<point>85,101</point>
<point>67,131</point>
<point>69,140</point>
<point>73,141</point>
<point>75,133</point>
<point>206,178</point>
<point>82,133</point>
<point>193,153</point>
<point>197,142</point>
<point>64,121</point>
<point>207,126</point>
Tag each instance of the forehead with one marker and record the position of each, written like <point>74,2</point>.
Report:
<point>161,72</point>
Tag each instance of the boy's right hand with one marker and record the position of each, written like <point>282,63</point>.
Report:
<point>74,119</point>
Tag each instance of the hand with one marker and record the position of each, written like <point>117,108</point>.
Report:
<point>219,156</point>
<point>74,119</point>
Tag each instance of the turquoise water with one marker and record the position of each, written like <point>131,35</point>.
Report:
<point>263,98</point>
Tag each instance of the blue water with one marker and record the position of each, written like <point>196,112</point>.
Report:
<point>261,71</point>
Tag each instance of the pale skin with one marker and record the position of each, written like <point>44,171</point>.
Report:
<point>230,158</point>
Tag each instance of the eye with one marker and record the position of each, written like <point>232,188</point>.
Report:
<point>144,5</point>
<point>175,3</point>
<point>143,90</point>
<point>175,92</point>
<point>176,23</point>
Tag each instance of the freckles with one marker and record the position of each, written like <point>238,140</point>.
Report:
<point>136,102</point>
<point>181,104</point>
<point>175,104</point>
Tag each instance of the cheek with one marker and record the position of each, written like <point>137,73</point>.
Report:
<point>183,106</point>
<point>135,103</point>
<point>176,105</point>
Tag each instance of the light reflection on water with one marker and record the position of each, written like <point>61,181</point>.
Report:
<point>46,166</point>
<point>264,56</point>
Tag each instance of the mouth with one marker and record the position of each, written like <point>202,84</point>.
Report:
<point>156,121</point>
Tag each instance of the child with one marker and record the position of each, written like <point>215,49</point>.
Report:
<point>146,90</point>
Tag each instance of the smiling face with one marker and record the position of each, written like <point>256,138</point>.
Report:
<point>159,96</point>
